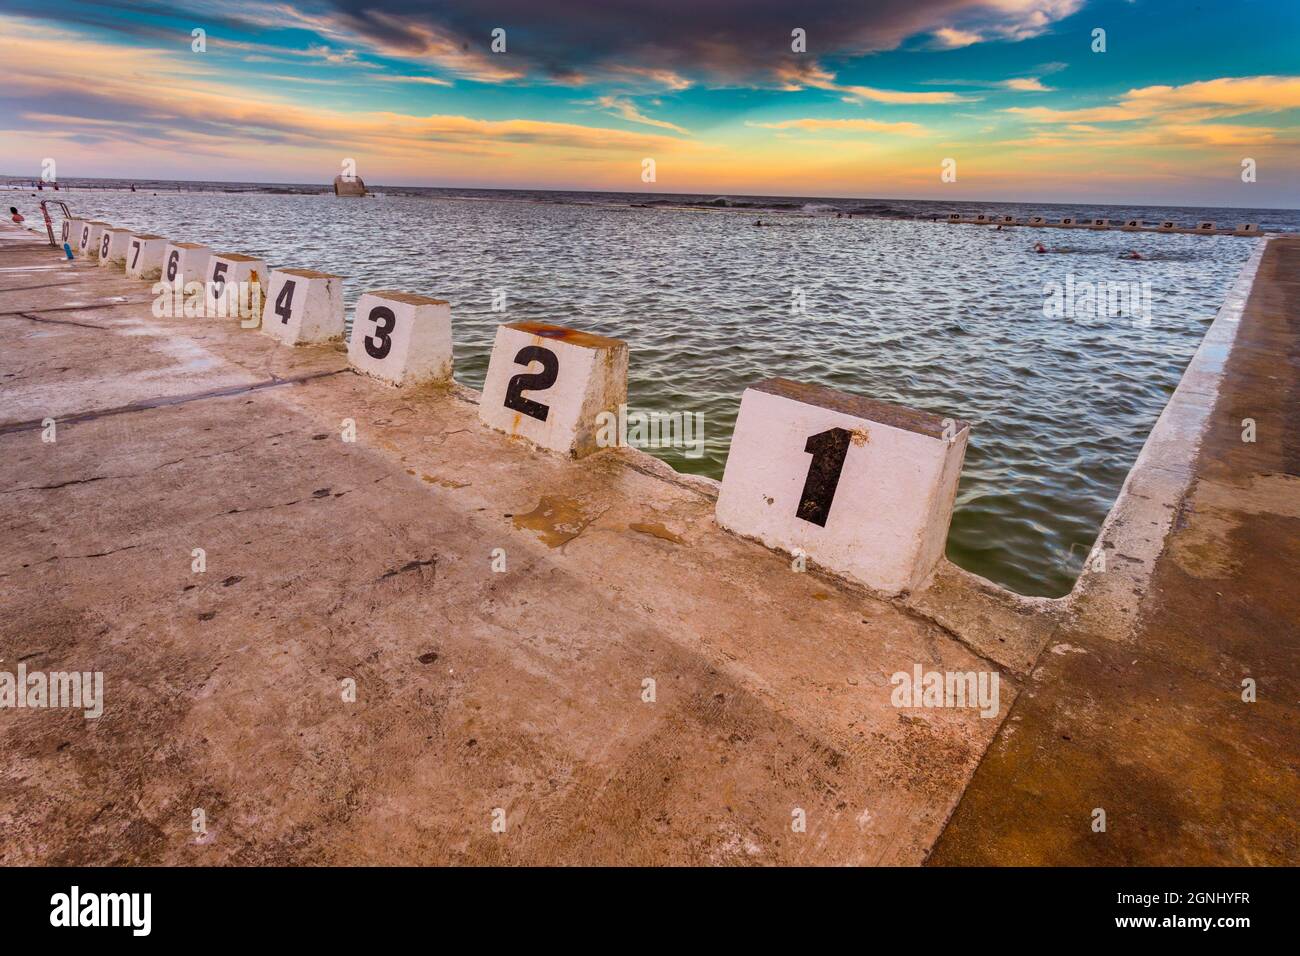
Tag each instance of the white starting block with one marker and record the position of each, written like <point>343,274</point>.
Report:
<point>982,217</point>
<point>954,217</point>
<point>144,258</point>
<point>1100,224</point>
<point>71,232</point>
<point>1008,220</point>
<point>1131,224</point>
<point>112,246</point>
<point>1205,226</point>
<point>186,261</point>
<point>863,488</point>
<point>547,384</point>
<point>1069,221</point>
<point>227,274</point>
<point>92,234</point>
<point>401,339</point>
<point>1167,225</point>
<point>1247,229</point>
<point>1037,221</point>
<point>303,307</point>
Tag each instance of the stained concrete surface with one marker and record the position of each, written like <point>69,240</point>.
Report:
<point>1149,725</point>
<point>371,561</point>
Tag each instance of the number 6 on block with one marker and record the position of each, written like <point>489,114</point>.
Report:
<point>863,488</point>
<point>548,384</point>
<point>402,339</point>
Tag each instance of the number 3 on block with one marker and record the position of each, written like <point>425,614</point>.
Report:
<point>401,339</point>
<point>863,488</point>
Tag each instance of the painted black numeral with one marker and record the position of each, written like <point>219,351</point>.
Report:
<point>172,262</point>
<point>828,450</point>
<point>135,247</point>
<point>103,247</point>
<point>381,343</point>
<point>532,381</point>
<point>219,278</point>
<point>284,303</point>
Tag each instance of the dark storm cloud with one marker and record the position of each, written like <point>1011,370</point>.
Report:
<point>718,41</point>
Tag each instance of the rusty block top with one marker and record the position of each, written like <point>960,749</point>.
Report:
<point>587,340</point>
<point>408,298</point>
<point>884,413</point>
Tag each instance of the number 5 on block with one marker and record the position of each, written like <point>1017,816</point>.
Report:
<point>863,488</point>
<point>547,384</point>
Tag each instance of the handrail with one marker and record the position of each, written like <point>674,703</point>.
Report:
<point>49,223</point>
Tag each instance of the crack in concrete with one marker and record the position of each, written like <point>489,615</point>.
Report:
<point>140,474</point>
<point>150,404</point>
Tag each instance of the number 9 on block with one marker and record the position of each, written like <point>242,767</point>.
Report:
<point>401,339</point>
<point>548,384</point>
<point>863,488</point>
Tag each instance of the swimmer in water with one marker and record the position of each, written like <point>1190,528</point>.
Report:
<point>15,215</point>
<point>1132,254</point>
<point>1039,247</point>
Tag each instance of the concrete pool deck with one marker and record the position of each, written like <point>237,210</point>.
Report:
<point>485,697</point>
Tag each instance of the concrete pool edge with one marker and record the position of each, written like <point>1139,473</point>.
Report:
<point>1136,529</point>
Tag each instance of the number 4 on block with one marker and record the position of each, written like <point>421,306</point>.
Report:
<point>863,488</point>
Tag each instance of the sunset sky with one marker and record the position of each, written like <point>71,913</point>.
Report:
<point>712,92</point>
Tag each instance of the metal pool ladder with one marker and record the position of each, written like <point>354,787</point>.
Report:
<point>49,223</point>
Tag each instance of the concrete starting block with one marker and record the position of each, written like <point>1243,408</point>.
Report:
<point>1167,225</point>
<point>186,261</point>
<point>1100,223</point>
<point>1069,221</point>
<point>863,488</point>
<point>1037,221</point>
<point>1205,226</point>
<point>112,246</point>
<point>1007,220</point>
<point>232,270</point>
<point>92,233</point>
<point>548,384</point>
<point>1131,224</point>
<point>954,217</point>
<point>303,307</point>
<point>983,218</point>
<point>1247,229</point>
<point>71,232</point>
<point>144,258</point>
<point>401,339</point>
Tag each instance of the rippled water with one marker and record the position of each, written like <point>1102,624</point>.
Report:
<point>944,318</point>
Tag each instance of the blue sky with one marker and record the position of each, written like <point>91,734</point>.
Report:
<point>583,93</point>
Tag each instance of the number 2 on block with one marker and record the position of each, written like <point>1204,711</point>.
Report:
<point>532,381</point>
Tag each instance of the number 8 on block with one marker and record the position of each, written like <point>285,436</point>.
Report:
<point>548,384</point>
<point>863,488</point>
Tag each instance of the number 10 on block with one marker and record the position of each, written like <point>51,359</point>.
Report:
<point>863,488</point>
